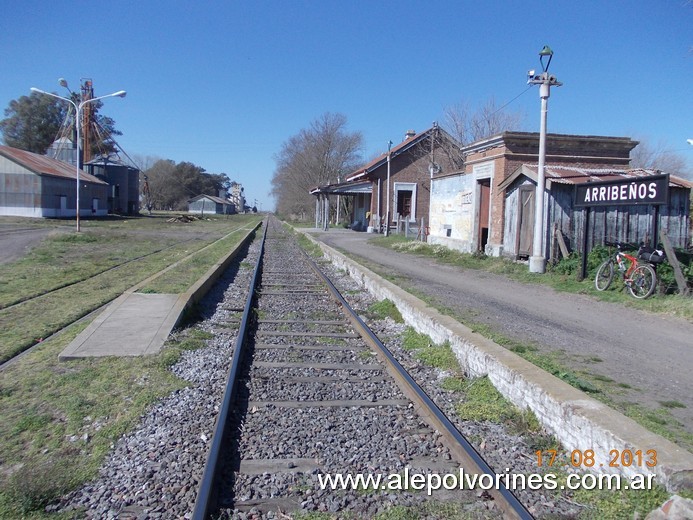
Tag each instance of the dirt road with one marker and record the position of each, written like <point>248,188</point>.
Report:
<point>652,354</point>
<point>16,241</point>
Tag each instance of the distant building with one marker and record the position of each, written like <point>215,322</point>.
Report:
<point>63,150</point>
<point>238,197</point>
<point>406,180</point>
<point>123,181</point>
<point>211,205</point>
<point>395,185</point>
<point>34,185</point>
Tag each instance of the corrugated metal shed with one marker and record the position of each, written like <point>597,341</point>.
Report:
<point>628,223</point>
<point>42,165</point>
<point>577,175</point>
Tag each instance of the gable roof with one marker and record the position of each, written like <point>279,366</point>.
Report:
<point>344,188</point>
<point>111,159</point>
<point>576,175</point>
<point>44,165</point>
<point>394,152</point>
<point>217,200</point>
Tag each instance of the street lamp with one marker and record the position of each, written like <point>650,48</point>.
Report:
<point>387,204</point>
<point>78,110</point>
<point>537,262</point>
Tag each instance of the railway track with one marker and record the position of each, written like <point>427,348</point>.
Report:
<point>312,392</point>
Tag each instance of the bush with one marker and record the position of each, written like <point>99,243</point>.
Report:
<point>665,272</point>
<point>567,266</point>
<point>596,256</point>
<point>573,263</point>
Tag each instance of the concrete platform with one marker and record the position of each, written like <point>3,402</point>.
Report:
<point>149,319</point>
<point>137,324</point>
<point>577,420</point>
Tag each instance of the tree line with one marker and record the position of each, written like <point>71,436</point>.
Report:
<point>34,122</point>
<point>322,153</point>
<point>171,185</point>
<point>325,152</point>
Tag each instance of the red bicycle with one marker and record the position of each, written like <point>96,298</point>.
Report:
<point>639,276</point>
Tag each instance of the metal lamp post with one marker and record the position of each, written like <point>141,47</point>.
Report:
<point>537,262</point>
<point>387,203</point>
<point>78,110</point>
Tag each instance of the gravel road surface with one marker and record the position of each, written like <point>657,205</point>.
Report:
<point>653,354</point>
<point>16,241</point>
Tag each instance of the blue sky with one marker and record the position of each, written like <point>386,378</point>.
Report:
<point>224,84</point>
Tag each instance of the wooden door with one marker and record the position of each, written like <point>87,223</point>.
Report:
<point>525,220</point>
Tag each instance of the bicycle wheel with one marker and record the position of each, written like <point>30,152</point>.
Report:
<point>643,281</point>
<point>605,274</point>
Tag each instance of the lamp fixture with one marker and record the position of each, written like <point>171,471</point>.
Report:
<point>546,51</point>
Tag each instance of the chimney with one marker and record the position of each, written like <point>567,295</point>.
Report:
<point>409,134</point>
<point>223,194</point>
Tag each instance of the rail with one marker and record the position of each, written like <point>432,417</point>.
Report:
<point>205,495</point>
<point>426,408</point>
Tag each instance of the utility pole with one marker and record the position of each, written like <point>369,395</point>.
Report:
<point>537,262</point>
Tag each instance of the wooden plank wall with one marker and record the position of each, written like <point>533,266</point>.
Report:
<point>631,224</point>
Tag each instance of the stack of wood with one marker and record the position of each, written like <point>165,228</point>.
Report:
<point>184,218</point>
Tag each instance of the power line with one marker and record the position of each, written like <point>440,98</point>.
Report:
<point>513,99</point>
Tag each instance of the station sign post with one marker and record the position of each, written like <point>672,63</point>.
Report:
<point>651,190</point>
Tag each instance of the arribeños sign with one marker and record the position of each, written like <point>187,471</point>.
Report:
<point>643,190</point>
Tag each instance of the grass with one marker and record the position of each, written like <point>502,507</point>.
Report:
<point>672,404</point>
<point>182,276</point>
<point>620,504</point>
<point>658,420</point>
<point>561,276</point>
<point>430,509</point>
<point>384,309</point>
<point>22,326</point>
<point>59,420</point>
<point>438,356</point>
<point>482,402</point>
<point>306,244</point>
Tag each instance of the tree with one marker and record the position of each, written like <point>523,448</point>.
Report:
<point>33,122</point>
<point>163,193</point>
<point>318,155</point>
<point>658,157</point>
<point>467,124</point>
<point>172,185</point>
<point>144,162</point>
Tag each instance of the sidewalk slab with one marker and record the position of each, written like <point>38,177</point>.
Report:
<point>137,324</point>
<point>134,324</point>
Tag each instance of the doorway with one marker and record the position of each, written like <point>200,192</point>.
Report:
<point>484,205</point>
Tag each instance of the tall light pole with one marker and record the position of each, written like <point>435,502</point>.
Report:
<point>537,262</point>
<point>78,111</point>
